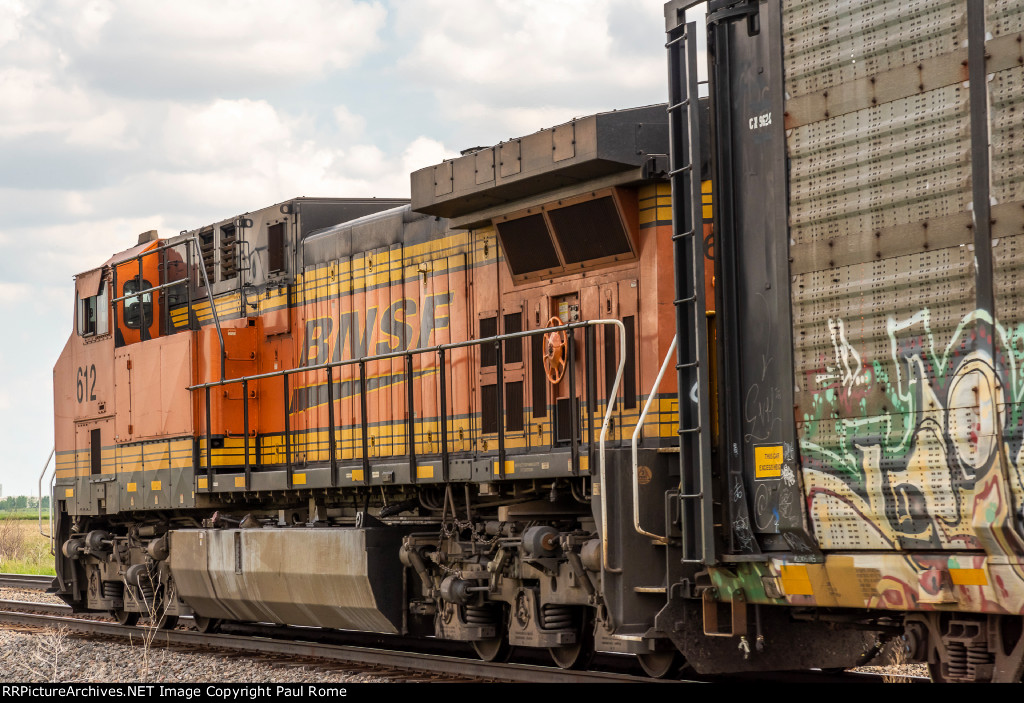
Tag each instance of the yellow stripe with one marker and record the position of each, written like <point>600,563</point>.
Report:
<point>424,472</point>
<point>132,487</point>
<point>299,479</point>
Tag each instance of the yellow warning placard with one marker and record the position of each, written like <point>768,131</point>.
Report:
<point>768,461</point>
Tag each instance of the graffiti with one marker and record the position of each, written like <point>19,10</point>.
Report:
<point>760,410</point>
<point>796,543</point>
<point>788,476</point>
<point>929,453</point>
<point>744,535</point>
<point>786,504</point>
<point>848,368</point>
<point>765,516</point>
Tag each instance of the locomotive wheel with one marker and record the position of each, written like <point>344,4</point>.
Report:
<point>555,351</point>
<point>124,617</point>
<point>496,649</point>
<point>167,622</point>
<point>660,664</point>
<point>206,625</point>
<point>580,654</point>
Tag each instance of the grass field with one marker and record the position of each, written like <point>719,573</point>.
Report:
<point>24,514</point>
<point>22,549</point>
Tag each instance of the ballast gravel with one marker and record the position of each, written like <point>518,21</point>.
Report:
<point>54,656</point>
<point>29,596</point>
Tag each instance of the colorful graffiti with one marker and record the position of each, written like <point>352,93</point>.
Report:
<point>920,448</point>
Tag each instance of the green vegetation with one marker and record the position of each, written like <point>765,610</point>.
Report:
<point>22,549</point>
<point>24,507</point>
<point>23,503</point>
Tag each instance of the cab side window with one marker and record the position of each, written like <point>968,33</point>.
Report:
<point>93,314</point>
<point>138,309</point>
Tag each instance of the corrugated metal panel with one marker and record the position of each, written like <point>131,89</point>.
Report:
<point>842,319</point>
<point>892,164</point>
<point>1004,17</point>
<point>831,43</point>
<point>1008,283</point>
<point>1006,98</point>
<point>885,357</point>
<point>875,345</point>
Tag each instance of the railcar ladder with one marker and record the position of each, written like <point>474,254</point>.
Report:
<point>691,325</point>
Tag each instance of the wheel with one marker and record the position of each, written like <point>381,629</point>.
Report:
<point>167,622</point>
<point>496,649</point>
<point>124,617</point>
<point>581,653</point>
<point>660,664</point>
<point>206,625</point>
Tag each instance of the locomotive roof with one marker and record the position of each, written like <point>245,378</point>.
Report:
<point>587,148</point>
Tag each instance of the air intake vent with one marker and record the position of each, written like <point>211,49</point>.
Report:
<point>589,230</point>
<point>275,247</point>
<point>513,347</point>
<point>206,244</point>
<point>585,231</point>
<point>527,246</point>
<point>228,253</point>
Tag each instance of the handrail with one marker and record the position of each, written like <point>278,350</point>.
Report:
<point>636,437</point>
<point>213,303</point>
<point>612,395</point>
<point>405,352</point>
<point>206,282</point>
<point>40,506</point>
<point>438,349</point>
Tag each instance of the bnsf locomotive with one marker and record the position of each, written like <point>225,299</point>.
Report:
<point>732,383</point>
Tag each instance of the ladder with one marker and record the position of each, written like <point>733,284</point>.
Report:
<point>692,368</point>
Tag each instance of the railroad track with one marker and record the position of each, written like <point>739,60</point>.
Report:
<point>27,581</point>
<point>411,665</point>
<point>357,653</point>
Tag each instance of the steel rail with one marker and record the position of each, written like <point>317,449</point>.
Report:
<point>31,606</point>
<point>412,661</point>
<point>29,582</point>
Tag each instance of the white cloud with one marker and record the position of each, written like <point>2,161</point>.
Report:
<point>527,59</point>
<point>12,12</point>
<point>423,152</point>
<point>222,133</point>
<point>133,46</point>
<point>13,292</point>
<point>349,123</point>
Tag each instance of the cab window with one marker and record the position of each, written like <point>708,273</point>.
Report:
<point>92,314</point>
<point>138,309</point>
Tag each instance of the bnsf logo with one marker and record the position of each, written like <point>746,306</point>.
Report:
<point>367,333</point>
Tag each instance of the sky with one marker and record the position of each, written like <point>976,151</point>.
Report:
<point>122,116</point>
